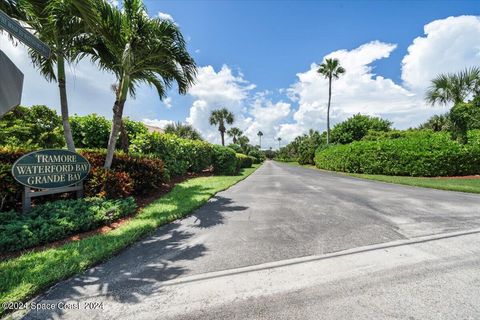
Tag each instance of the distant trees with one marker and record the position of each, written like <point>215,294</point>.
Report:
<point>331,70</point>
<point>454,87</point>
<point>183,130</point>
<point>220,118</point>
<point>356,127</point>
<point>260,135</point>
<point>234,133</point>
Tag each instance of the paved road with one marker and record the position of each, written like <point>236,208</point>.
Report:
<point>233,257</point>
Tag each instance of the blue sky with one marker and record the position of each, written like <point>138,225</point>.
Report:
<point>258,59</point>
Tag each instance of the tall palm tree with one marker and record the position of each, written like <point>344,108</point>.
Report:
<point>454,87</point>
<point>62,25</point>
<point>279,139</point>
<point>234,133</point>
<point>330,69</point>
<point>221,117</point>
<point>260,134</point>
<point>139,49</point>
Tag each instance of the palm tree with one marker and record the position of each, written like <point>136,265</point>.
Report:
<point>183,130</point>
<point>279,139</point>
<point>62,25</point>
<point>139,49</point>
<point>260,134</point>
<point>330,69</point>
<point>221,117</point>
<point>234,133</point>
<point>454,87</point>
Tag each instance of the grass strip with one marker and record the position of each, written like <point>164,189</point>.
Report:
<point>24,276</point>
<point>471,185</point>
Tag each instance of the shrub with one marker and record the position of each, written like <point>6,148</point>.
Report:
<point>107,183</point>
<point>35,127</point>
<point>92,131</point>
<point>257,155</point>
<point>243,161</point>
<point>420,153</point>
<point>179,155</point>
<point>57,220</point>
<point>146,173</point>
<point>224,160</point>
<point>356,127</point>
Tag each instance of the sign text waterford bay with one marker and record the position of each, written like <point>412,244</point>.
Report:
<point>51,168</point>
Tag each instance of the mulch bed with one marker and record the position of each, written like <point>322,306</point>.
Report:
<point>459,177</point>
<point>142,201</point>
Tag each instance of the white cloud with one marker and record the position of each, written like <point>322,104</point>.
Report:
<point>165,16</point>
<point>449,45</point>
<point>252,111</point>
<point>168,102</point>
<point>359,90</point>
<point>157,122</point>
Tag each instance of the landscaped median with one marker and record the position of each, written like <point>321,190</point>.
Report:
<point>24,276</point>
<point>462,184</point>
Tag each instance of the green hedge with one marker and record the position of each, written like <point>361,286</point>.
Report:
<point>224,160</point>
<point>420,153</point>
<point>180,155</point>
<point>244,161</point>
<point>57,220</point>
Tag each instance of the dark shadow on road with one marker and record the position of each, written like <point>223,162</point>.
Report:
<point>139,270</point>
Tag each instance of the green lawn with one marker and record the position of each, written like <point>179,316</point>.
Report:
<point>452,184</point>
<point>28,274</point>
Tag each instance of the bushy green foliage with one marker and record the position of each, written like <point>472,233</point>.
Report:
<point>356,127</point>
<point>464,117</point>
<point>92,131</point>
<point>257,155</point>
<point>235,147</point>
<point>35,127</point>
<point>244,161</point>
<point>57,220</point>
<point>437,123</point>
<point>224,160</point>
<point>419,153</point>
<point>180,155</point>
<point>183,130</point>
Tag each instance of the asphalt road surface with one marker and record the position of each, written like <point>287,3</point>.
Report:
<point>294,243</point>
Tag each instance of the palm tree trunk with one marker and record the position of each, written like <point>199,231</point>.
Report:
<point>116,124</point>
<point>116,121</point>
<point>124,143</point>
<point>328,108</point>
<point>67,131</point>
<point>260,142</point>
<point>223,138</point>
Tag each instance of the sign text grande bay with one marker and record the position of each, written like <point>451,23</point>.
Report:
<point>51,168</point>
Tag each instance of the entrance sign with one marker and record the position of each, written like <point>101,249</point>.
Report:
<point>11,84</point>
<point>19,32</point>
<point>50,169</point>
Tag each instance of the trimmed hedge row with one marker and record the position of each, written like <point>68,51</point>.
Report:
<point>57,220</point>
<point>224,161</point>
<point>180,155</point>
<point>244,161</point>
<point>421,153</point>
